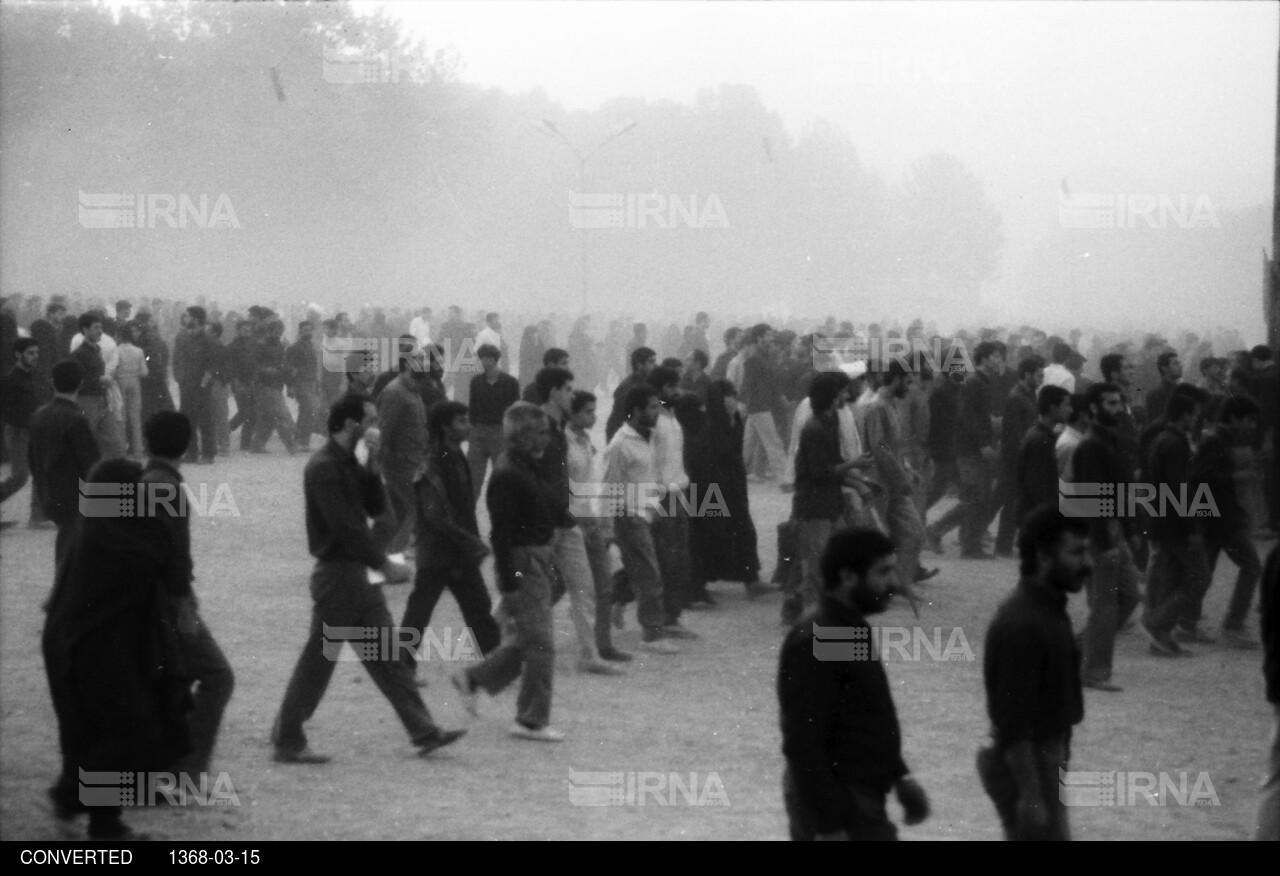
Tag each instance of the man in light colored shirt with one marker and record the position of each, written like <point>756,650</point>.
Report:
<point>131,367</point>
<point>1057,373</point>
<point>1072,434</point>
<point>671,526</point>
<point>420,326</point>
<point>491,333</point>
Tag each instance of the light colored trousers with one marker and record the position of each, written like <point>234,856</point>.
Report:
<point>761,436</point>
<point>569,554</point>
<point>131,394</point>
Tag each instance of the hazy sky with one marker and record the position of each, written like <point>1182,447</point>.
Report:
<point>1175,98</point>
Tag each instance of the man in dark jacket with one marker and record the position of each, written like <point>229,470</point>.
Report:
<point>1031,671</point>
<point>1019,415</point>
<point>195,385</point>
<point>840,732</point>
<point>1036,475</point>
<point>63,450</point>
<point>17,405</point>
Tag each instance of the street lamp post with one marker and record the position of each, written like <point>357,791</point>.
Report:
<point>617,132</point>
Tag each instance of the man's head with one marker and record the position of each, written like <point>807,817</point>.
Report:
<point>825,390</point>
<point>666,382</point>
<point>54,311</point>
<point>26,353</point>
<point>1031,372</point>
<point>329,327</point>
<point>554,387</point>
<point>702,321</point>
<point>527,429</point>
<point>859,568</point>
<point>1213,369</point>
<point>197,316</point>
<point>582,410</point>
<point>643,360</point>
<point>91,326</point>
<point>1053,549</point>
<point>351,416</point>
<point>1260,356</point>
<point>640,332</point>
<point>898,379</point>
<point>1054,402</point>
<point>1106,405</point>
<point>733,338</point>
<point>642,406</point>
<point>244,329</point>
<point>448,422</point>
<point>124,310</point>
<point>492,320</point>
<point>168,434</point>
<point>989,356</point>
<point>1061,352</point>
<point>555,357</point>
<point>1182,411</point>
<point>1169,365</point>
<point>67,377</point>
<point>306,330</point>
<point>1116,369</point>
<point>489,355</point>
<point>697,361</point>
<point>1075,363</point>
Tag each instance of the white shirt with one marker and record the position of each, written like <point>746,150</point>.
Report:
<point>628,465</point>
<point>1063,449</point>
<point>585,481</point>
<point>1058,375</point>
<point>668,452</point>
<point>420,328</point>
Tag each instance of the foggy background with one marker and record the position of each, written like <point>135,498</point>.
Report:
<point>877,162</point>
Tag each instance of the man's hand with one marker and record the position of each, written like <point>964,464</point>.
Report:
<point>915,803</point>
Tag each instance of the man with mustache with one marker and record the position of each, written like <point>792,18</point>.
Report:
<point>840,732</point>
<point>1031,671</point>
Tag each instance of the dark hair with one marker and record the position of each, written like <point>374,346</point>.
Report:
<point>640,355</point>
<point>215,329</point>
<point>488,351</point>
<point>124,304</point>
<point>305,323</point>
<point>548,379</point>
<point>1041,530</point>
<point>1112,363</point>
<point>1163,360</point>
<point>673,363</point>
<point>554,355</point>
<point>1179,405</point>
<point>986,349</point>
<point>662,376</point>
<point>1079,406</point>
<point>442,415</point>
<point>1050,397</point>
<point>700,356</point>
<point>1061,351</point>
<point>854,549</point>
<point>21,344</point>
<point>638,397</point>
<point>1261,352</point>
<point>168,434</point>
<point>1030,365</point>
<point>825,388</point>
<point>1093,395</point>
<point>349,407</point>
<point>198,313</point>
<point>67,376</point>
<point>731,334</point>
<point>1237,407</point>
<point>88,319</point>
<point>581,398</point>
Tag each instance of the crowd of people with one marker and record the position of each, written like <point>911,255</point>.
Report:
<point>866,430</point>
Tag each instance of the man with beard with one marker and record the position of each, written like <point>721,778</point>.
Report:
<point>840,732</point>
<point>1032,678</point>
<point>1113,594</point>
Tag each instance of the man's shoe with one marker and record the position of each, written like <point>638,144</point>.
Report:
<point>440,740</point>
<point>678,630</point>
<point>658,646</point>
<point>615,655</point>
<point>1239,639</point>
<point>1193,634</point>
<point>1103,685</point>
<point>1162,644</point>
<point>466,690</point>
<point>598,667</point>
<point>537,734</point>
<point>302,755</point>
<point>923,574</point>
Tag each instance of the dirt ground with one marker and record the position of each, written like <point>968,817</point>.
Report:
<point>710,710</point>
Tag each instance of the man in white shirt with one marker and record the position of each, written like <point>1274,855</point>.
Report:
<point>1057,373</point>
<point>1072,434</point>
<point>420,326</point>
<point>671,527</point>
<point>491,333</point>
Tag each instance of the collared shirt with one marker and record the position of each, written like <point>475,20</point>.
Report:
<point>668,451</point>
<point>341,495</point>
<point>1031,667</point>
<point>585,475</point>
<point>553,468</point>
<point>521,511</point>
<point>839,723</point>
<point>629,466</point>
<point>489,401</point>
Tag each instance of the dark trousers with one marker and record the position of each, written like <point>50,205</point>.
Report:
<point>68,529</point>
<point>393,527</point>
<point>671,543</point>
<point>1176,581</point>
<point>870,821</point>
<point>1113,597</point>
<point>1005,502</point>
<point>974,510</point>
<point>998,781</point>
<point>197,404</point>
<point>214,684</point>
<point>466,584</point>
<point>1238,547</point>
<point>245,419</point>
<point>945,476</point>
<point>344,597</point>
<point>308,396</point>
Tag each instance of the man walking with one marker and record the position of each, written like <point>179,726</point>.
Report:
<point>840,732</point>
<point>492,392</point>
<point>1032,681</point>
<point>62,451</point>
<point>303,369</point>
<point>340,495</point>
<point>195,379</point>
